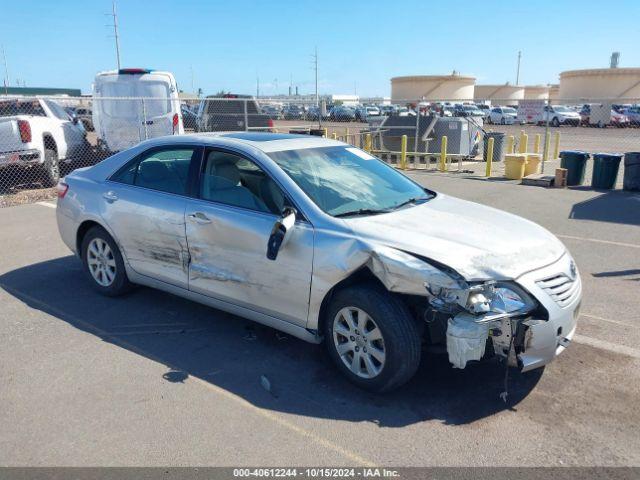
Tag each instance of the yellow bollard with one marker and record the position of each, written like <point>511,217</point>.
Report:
<point>346,135</point>
<point>443,154</point>
<point>524,142</point>
<point>547,148</point>
<point>489,156</point>
<point>367,142</point>
<point>556,148</point>
<point>536,143</point>
<point>326,133</point>
<point>510,141</point>
<point>335,136</point>
<point>403,153</point>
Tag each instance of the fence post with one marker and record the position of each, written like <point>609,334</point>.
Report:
<point>489,156</point>
<point>547,147</point>
<point>246,117</point>
<point>510,141</point>
<point>367,142</point>
<point>556,148</point>
<point>536,143</point>
<point>443,153</point>
<point>524,142</point>
<point>144,120</point>
<point>403,153</point>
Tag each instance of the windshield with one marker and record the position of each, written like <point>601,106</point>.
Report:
<point>345,180</point>
<point>561,109</point>
<point>509,110</point>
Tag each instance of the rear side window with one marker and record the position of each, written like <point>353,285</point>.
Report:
<point>165,170</point>
<point>19,107</point>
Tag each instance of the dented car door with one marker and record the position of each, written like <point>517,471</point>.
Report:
<point>228,230</point>
<point>144,205</point>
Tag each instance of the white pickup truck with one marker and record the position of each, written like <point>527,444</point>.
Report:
<point>37,134</point>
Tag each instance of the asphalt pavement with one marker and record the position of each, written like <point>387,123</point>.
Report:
<point>154,380</point>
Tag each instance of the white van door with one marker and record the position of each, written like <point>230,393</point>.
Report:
<point>160,113</point>
<point>117,112</point>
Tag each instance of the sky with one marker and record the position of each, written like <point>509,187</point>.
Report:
<point>227,45</point>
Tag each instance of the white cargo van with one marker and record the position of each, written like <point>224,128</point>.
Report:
<point>134,104</point>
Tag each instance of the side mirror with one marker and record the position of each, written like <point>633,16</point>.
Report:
<point>281,233</point>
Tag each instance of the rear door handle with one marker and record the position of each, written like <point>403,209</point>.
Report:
<point>110,196</point>
<point>199,217</point>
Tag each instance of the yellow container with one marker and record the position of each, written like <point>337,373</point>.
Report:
<point>533,164</point>
<point>514,165</point>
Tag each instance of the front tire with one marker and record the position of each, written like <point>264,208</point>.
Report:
<point>372,338</point>
<point>103,263</point>
<point>555,122</point>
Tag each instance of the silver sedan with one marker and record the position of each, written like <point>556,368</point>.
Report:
<point>323,241</point>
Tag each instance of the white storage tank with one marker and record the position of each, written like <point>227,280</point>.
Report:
<point>501,94</point>
<point>536,92</point>
<point>432,88</point>
<point>600,84</point>
<point>554,93</point>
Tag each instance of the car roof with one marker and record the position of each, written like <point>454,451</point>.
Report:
<point>264,141</point>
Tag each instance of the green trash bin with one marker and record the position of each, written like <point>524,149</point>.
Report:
<point>605,170</point>
<point>575,162</point>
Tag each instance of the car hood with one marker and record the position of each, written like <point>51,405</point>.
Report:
<point>569,114</point>
<point>479,242</point>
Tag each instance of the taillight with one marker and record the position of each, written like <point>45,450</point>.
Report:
<point>62,189</point>
<point>175,122</point>
<point>270,123</point>
<point>25,131</point>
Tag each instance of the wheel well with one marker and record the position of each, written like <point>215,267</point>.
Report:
<point>82,231</point>
<point>49,143</point>
<point>363,275</point>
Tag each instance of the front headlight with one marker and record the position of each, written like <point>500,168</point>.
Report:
<point>510,299</point>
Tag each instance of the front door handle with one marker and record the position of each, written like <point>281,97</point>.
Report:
<point>199,217</point>
<point>110,196</point>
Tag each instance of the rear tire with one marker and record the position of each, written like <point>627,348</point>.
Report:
<point>372,338</point>
<point>50,168</point>
<point>555,122</point>
<point>103,263</point>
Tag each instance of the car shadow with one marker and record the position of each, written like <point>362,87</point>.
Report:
<point>269,369</point>
<point>613,206</point>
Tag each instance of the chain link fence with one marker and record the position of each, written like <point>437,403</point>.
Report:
<point>44,138</point>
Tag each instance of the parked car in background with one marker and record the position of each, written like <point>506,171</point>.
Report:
<point>85,115</point>
<point>37,135</point>
<point>229,112</point>
<point>633,114</point>
<point>559,115</point>
<point>314,113</point>
<point>323,241</point>
<point>341,113</point>
<point>446,111</point>
<point>189,117</point>
<point>292,112</point>
<point>134,104</point>
<point>467,111</point>
<point>486,110</point>
<point>388,109</point>
<point>362,113</point>
<point>502,115</point>
<point>271,111</point>
<point>619,120</point>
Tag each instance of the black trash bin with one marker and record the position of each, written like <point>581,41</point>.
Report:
<point>605,170</point>
<point>498,146</point>
<point>575,162</point>
<point>631,179</point>
<point>317,132</point>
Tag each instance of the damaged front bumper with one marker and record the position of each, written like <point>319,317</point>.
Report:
<point>529,340</point>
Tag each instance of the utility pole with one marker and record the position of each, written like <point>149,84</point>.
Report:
<point>6,71</point>
<point>115,30</point>
<point>518,69</point>
<point>315,62</point>
<point>257,87</point>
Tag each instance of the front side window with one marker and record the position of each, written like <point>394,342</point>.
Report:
<point>164,170</point>
<point>345,181</point>
<point>234,180</point>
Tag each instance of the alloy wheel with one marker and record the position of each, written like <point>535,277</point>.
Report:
<point>101,262</point>
<point>359,342</point>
